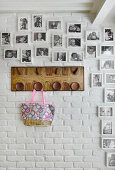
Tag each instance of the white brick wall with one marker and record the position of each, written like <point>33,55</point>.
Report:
<point>72,142</point>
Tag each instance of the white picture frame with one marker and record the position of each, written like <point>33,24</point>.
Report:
<point>74,42</point>
<point>105,111</point>
<point>11,53</point>
<point>57,40</point>
<point>106,127</point>
<point>23,23</point>
<point>22,39</point>
<point>110,78</point>
<point>76,56</point>
<point>109,34</point>
<point>26,56</point>
<point>6,38</point>
<point>96,80</point>
<point>109,95</point>
<point>107,50</point>
<point>91,51</point>
<point>110,160</point>
<point>74,28</point>
<point>54,24</point>
<point>93,36</point>
<point>39,37</point>
<point>59,56</point>
<point>42,51</point>
<point>108,143</point>
<point>107,64</point>
<point>38,22</point>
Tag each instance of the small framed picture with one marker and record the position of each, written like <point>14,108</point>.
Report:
<point>76,56</point>
<point>108,143</point>
<point>57,40</point>
<point>74,28</point>
<point>91,51</point>
<point>73,42</point>
<point>111,160</point>
<point>92,35</point>
<point>54,24</point>
<point>106,127</point>
<point>107,50</point>
<point>97,80</point>
<point>105,111</point>
<point>108,35</point>
<point>110,78</point>
<point>6,39</point>
<point>41,51</point>
<point>22,39</point>
<point>23,24</point>
<point>39,37</point>
<point>59,56</point>
<point>107,64</point>
<point>11,53</point>
<point>37,22</point>
<point>110,95</point>
<point>26,56</point>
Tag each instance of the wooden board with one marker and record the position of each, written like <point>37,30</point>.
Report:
<point>50,78</point>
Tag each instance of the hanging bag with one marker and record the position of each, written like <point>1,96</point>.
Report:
<point>37,114</point>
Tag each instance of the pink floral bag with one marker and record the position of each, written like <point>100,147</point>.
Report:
<point>36,113</point>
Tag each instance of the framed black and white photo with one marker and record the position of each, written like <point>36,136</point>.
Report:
<point>59,56</point>
<point>110,78</point>
<point>108,35</point>
<point>23,23</point>
<point>97,79</point>
<point>76,56</point>
<point>54,24</point>
<point>74,28</point>
<point>41,51</point>
<point>11,53</point>
<point>106,127</point>
<point>107,50</point>
<point>105,111</point>
<point>111,160</point>
<point>6,39</point>
<point>91,51</point>
<point>107,64</point>
<point>26,56</point>
<point>57,40</point>
<point>108,143</point>
<point>22,39</point>
<point>39,37</point>
<point>37,22</point>
<point>92,35</point>
<point>73,42</point>
<point>110,95</point>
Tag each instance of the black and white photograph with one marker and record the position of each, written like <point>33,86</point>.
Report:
<point>37,21</point>
<point>21,39</point>
<point>107,64</point>
<point>10,54</point>
<point>57,40</point>
<point>39,36</point>
<point>5,39</point>
<point>54,25</point>
<point>110,78</point>
<point>23,24</point>
<point>73,42</point>
<point>110,95</point>
<point>108,35</point>
<point>76,56</point>
<point>91,51</point>
<point>42,52</point>
<point>108,143</point>
<point>97,79</point>
<point>106,50</point>
<point>105,111</point>
<point>73,28</point>
<point>111,160</point>
<point>26,56</point>
<point>60,56</point>
<point>106,127</point>
<point>92,35</point>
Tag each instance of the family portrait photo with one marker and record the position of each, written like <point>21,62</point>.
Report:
<point>55,24</point>
<point>43,52</point>
<point>37,21</point>
<point>108,34</point>
<point>108,143</point>
<point>59,56</point>
<point>105,111</point>
<point>23,23</point>
<point>57,40</point>
<point>92,35</point>
<point>106,127</point>
<point>110,78</point>
<point>26,56</point>
<point>73,42</point>
<point>91,51</point>
<point>21,39</point>
<point>107,64</point>
<point>5,39</point>
<point>111,160</point>
<point>76,56</point>
<point>10,54</point>
<point>39,36</point>
<point>73,28</point>
<point>107,50</point>
<point>110,95</point>
<point>97,80</point>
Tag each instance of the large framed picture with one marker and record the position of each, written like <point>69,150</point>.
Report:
<point>107,64</point>
<point>59,56</point>
<point>92,35</point>
<point>75,56</point>
<point>57,40</point>
<point>26,56</point>
<point>54,24</point>
<point>39,37</point>
<point>23,23</point>
<point>6,39</point>
<point>22,38</point>
<point>37,22</point>
<point>110,78</point>
<point>91,51</point>
<point>108,143</point>
<point>107,50</point>
<point>106,127</point>
<point>11,53</point>
<point>110,95</point>
<point>73,42</point>
<point>111,160</point>
<point>108,35</point>
<point>41,51</point>
<point>74,28</point>
<point>105,111</point>
<point>97,80</point>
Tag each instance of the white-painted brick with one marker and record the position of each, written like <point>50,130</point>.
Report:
<point>64,152</point>
<point>64,164</point>
<point>25,164</point>
<point>25,152</point>
<point>15,158</point>
<point>35,146</point>
<point>45,165</point>
<point>45,153</point>
<point>16,146</point>
<point>73,159</point>
<point>53,147</point>
<point>34,158</point>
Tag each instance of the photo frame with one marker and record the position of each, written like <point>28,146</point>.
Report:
<point>110,160</point>
<point>108,143</point>
<point>96,80</point>
<point>74,28</point>
<point>6,39</point>
<point>109,95</point>
<point>106,127</point>
<point>21,39</point>
<point>54,24</point>
<point>91,51</point>
<point>107,64</point>
<point>42,51</point>
<point>107,50</point>
<point>110,78</point>
<point>74,42</point>
<point>93,35</point>
<point>23,23</point>
<point>57,40</point>
<point>76,56</point>
<point>11,53</point>
<point>105,111</point>
<point>40,37</point>
<point>26,56</point>
<point>108,34</point>
<point>38,22</point>
<point>59,56</point>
